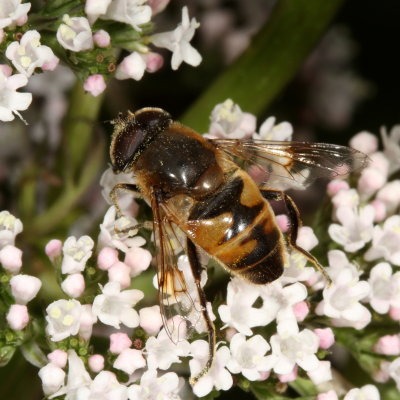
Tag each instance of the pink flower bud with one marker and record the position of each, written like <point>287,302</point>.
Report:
<point>102,38</point>
<point>120,273</point>
<point>370,181</point>
<point>18,317</point>
<point>380,162</point>
<point>283,222</point>
<point>96,362</point>
<point>326,337</point>
<point>335,186</point>
<point>388,345</point>
<point>86,321</point>
<point>6,69</point>
<point>289,377</point>
<point>129,361</point>
<point>138,260</point>
<point>154,61</point>
<point>157,5</point>
<point>11,258</point>
<point>51,65</point>
<point>264,375</point>
<point>394,313</point>
<point>390,195</point>
<point>53,249</point>
<point>257,173</point>
<point>306,238</point>
<point>106,258</point>
<point>22,20</point>
<point>230,333</point>
<point>150,319</point>
<point>119,342</point>
<point>95,84</point>
<point>301,310</point>
<point>380,210</point>
<point>382,375</point>
<point>24,288</point>
<point>365,142</point>
<point>73,285</point>
<point>331,395</point>
<point>58,358</point>
<point>52,378</point>
<point>131,67</point>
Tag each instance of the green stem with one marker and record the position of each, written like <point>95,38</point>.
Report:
<point>269,63</point>
<point>82,160</point>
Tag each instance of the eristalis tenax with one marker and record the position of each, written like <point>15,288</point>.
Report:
<point>196,186</point>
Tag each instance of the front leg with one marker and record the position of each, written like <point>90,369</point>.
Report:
<point>127,187</point>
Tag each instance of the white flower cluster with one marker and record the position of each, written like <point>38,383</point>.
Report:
<point>23,288</point>
<point>276,330</point>
<point>27,55</point>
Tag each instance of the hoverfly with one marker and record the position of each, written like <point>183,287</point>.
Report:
<point>195,186</point>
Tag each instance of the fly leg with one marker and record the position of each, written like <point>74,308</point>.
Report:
<point>196,268</point>
<point>295,224</point>
<point>131,188</point>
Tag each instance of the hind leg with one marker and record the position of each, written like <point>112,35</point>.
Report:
<point>295,224</point>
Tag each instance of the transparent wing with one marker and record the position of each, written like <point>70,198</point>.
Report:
<point>297,164</point>
<point>175,282</point>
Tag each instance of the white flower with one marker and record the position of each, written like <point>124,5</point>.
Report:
<point>162,351</point>
<point>129,360</point>
<point>76,253</point>
<point>63,319</point>
<point>114,306</point>
<point>341,299</point>
<point>394,371</point>
<point>322,374</point>
<point>385,288</point>
<point>104,386</point>
<point>86,321</point>
<point>78,379</point>
<point>386,241</point>
<point>356,227</point>
<point>152,387</point>
<point>52,378</point>
<point>178,40</point>
<point>75,34</point>
<point>346,198</point>
<point>292,347</point>
<point>24,288</point>
<point>248,357</point>
<point>391,146</point>
<point>278,301</point>
<point>131,67</point>
<point>12,11</point>
<point>338,262</point>
<point>28,54</point>
<point>95,8</point>
<point>229,121</point>
<point>115,232</point>
<point>131,12</point>
<point>239,312</point>
<point>269,131</point>
<point>217,376</point>
<point>10,227</point>
<point>108,180</point>
<point>367,392</point>
<point>390,195</point>
<point>12,101</point>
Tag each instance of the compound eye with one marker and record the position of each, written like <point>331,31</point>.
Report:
<point>125,145</point>
<point>133,133</point>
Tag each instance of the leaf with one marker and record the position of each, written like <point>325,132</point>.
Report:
<point>6,354</point>
<point>33,354</point>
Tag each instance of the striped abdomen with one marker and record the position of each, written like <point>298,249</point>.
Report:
<point>237,227</point>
